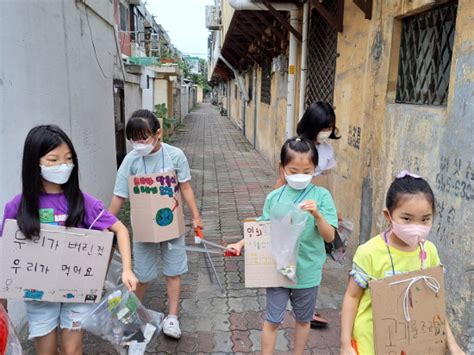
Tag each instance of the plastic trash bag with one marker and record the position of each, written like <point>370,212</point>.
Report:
<point>338,247</point>
<point>113,279</point>
<point>9,341</point>
<point>121,319</point>
<point>287,222</point>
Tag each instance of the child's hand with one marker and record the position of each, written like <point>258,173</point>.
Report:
<point>197,222</point>
<point>129,280</point>
<point>348,351</point>
<point>311,207</point>
<point>236,247</point>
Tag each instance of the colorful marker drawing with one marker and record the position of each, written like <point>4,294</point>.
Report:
<point>164,217</point>
<point>33,294</point>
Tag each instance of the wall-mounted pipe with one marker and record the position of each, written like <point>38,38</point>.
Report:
<point>252,5</point>
<point>290,99</point>
<point>239,78</point>
<point>304,48</point>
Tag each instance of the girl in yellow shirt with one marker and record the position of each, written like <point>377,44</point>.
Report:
<point>410,205</point>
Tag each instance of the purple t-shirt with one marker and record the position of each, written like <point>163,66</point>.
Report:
<point>53,209</point>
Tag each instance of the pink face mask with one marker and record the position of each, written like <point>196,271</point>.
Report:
<point>411,234</point>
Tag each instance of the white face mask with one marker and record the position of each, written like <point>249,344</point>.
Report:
<point>299,181</point>
<point>323,136</point>
<point>57,174</point>
<point>142,149</point>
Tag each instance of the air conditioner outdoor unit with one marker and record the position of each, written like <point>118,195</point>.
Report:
<point>213,17</point>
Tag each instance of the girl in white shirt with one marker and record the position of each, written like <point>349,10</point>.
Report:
<point>318,124</point>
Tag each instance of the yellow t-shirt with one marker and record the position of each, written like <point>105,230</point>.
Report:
<point>372,261</point>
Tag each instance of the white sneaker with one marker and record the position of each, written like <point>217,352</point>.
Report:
<point>171,327</point>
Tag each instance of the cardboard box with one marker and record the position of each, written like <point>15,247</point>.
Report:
<point>425,331</point>
<point>156,207</point>
<point>61,265</point>
<point>260,269</point>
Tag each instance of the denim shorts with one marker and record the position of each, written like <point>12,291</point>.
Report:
<point>145,259</point>
<point>44,317</point>
<point>303,301</point>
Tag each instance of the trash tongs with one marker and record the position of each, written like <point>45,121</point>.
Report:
<point>199,239</point>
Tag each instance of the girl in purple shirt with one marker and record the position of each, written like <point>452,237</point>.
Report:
<point>51,195</point>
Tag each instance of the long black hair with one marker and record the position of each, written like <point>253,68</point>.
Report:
<point>318,116</point>
<point>39,142</point>
<point>142,124</point>
<point>298,145</point>
<point>408,185</point>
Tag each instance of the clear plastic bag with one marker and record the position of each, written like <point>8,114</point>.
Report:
<point>121,319</point>
<point>287,222</point>
<point>113,279</point>
<point>9,341</point>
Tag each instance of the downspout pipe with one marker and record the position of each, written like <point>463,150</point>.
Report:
<point>256,6</point>
<point>304,55</point>
<point>290,99</point>
<point>239,78</point>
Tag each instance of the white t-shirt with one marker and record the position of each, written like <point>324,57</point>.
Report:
<point>326,158</point>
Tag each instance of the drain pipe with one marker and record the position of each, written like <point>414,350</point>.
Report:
<point>290,99</point>
<point>254,98</point>
<point>255,6</point>
<point>304,48</point>
<point>239,78</point>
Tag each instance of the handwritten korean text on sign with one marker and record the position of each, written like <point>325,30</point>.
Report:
<point>260,268</point>
<point>60,265</point>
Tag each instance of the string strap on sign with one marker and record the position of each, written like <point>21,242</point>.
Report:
<point>431,282</point>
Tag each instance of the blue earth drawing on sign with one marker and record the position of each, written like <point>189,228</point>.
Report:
<point>164,217</point>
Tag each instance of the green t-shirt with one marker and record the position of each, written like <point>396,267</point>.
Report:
<point>311,253</point>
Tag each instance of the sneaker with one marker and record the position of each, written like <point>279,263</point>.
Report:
<point>171,327</point>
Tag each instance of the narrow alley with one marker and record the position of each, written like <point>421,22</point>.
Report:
<point>230,180</point>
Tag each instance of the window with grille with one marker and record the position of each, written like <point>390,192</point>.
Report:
<point>426,49</point>
<point>266,87</point>
<point>321,59</point>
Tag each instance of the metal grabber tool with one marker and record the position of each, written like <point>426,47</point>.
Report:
<point>219,249</point>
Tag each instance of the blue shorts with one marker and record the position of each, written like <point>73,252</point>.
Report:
<point>145,259</point>
<point>44,317</point>
<point>303,301</point>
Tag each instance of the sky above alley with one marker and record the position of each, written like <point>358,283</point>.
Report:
<point>185,22</point>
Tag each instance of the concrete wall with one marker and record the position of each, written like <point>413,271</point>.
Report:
<point>161,92</point>
<point>384,137</point>
<point>49,73</point>
<point>270,118</point>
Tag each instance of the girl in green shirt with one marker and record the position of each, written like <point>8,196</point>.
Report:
<point>298,160</point>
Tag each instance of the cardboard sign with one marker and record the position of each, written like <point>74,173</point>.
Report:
<point>425,332</point>
<point>260,269</point>
<point>156,207</point>
<point>61,265</point>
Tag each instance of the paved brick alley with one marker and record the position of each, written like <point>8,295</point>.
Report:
<point>230,180</point>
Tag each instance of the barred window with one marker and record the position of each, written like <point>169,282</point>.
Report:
<point>266,87</point>
<point>425,56</point>
<point>322,54</point>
